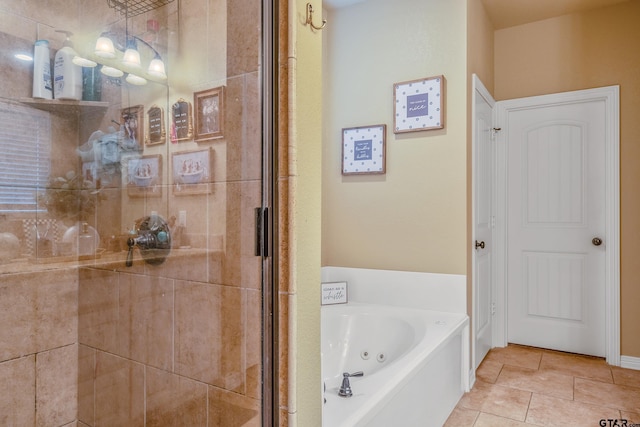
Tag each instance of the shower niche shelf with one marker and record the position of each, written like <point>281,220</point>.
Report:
<point>66,107</point>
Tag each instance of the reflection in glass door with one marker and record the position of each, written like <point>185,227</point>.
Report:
<point>137,294</point>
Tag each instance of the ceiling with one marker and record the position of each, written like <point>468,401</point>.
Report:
<point>508,13</point>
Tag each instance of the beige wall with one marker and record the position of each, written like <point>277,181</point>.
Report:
<point>304,184</point>
<point>480,58</point>
<point>578,51</point>
<point>480,62</point>
<point>414,216</point>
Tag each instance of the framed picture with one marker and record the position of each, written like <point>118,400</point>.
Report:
<point>144,176</point>
<point>363,150</point>
<point>418,105</point>
<point>156,132</point>
<point>191,171</point>
<point>209,110</point>
<point>132,123</point>
<point>181,121</point>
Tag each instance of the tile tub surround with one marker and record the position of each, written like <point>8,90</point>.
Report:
<point>520,386</point>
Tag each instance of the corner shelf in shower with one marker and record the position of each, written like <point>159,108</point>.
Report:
<point>66,107</point>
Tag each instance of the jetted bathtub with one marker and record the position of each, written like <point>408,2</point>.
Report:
<point>412,362</point>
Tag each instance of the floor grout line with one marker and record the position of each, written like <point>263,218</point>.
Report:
<point>592,374</point>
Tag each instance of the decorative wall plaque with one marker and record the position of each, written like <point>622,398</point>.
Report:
<point>156,133</point>
<point>181,121</point>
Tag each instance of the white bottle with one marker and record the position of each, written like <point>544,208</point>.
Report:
<point>42,87</point>
<point>86,240</point>
<point>67,76</point>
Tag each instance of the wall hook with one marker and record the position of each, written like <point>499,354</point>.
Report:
<point>310,18</point>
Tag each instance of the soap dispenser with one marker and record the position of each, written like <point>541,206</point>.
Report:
<point>67,76</point>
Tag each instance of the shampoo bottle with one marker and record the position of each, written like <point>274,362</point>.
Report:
<point>67,76</point>
<point>42,87</point>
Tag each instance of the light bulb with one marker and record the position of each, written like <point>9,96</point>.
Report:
<point>104,47</point>
<point>156,68</point>
<point>131,55</point>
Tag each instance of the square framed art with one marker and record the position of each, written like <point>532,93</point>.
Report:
<point>364,150</point>
<point>191,171</point>
<point>418,105</point>
<point>144,176</point>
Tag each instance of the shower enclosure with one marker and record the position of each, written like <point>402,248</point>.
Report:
<point>176,337</point>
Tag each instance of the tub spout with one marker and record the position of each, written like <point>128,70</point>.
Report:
<point>345,388</point>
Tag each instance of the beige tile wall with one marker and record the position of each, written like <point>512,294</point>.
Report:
<point>38,347</point>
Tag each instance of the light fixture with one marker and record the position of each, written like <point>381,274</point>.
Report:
<point>111,71</point>
<point>156,68</point>
<point>83,62</point>
<point>131,55</point>
<point>136,80</point>
<point>131,59</point>
<point>104,47</point>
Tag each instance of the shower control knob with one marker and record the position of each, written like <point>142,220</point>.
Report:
<point>131,243</point>
<point>153,240</point>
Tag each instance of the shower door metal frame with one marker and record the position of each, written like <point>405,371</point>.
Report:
<point>268,230</point>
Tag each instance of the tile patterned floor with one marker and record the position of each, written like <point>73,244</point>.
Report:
<point>520,386</point>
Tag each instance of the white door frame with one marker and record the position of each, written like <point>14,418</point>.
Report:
<point>610,95</point>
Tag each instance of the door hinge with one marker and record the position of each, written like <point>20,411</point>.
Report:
<point>262,232</point>
<point>493,308</point>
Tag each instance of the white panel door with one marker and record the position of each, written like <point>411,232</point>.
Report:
<point>483,173</point>
<point>556,211</point>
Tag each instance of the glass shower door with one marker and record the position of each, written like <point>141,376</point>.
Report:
<point>173,337</point>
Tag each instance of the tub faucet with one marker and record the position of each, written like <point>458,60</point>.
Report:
<point>345,388</point>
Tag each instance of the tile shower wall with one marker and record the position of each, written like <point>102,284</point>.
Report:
<point>38,348</point>
<point>175,344</point>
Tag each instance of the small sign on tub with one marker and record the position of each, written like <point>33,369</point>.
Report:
<point>334,293</point>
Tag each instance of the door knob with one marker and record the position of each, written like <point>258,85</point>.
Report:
<point>596,241</point>
<point>479,245</point>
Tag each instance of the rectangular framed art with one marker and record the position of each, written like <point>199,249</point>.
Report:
<point>209,114</point>
<point>144,176</point>
<point>132,123</point>
<point>364,150</point>
<point>191,171</point>
<point>418,105</point>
